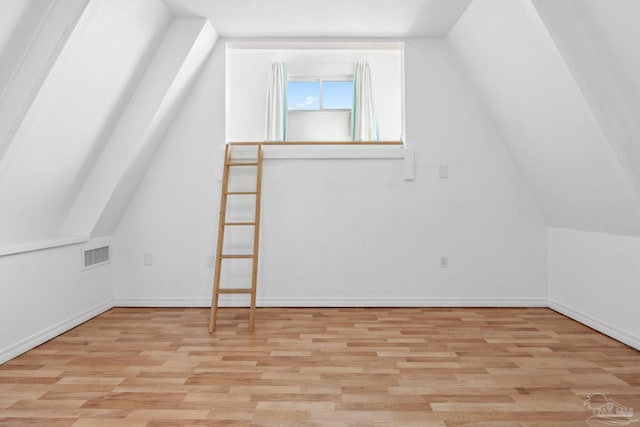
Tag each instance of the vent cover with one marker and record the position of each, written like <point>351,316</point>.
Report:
<point>97,256</point>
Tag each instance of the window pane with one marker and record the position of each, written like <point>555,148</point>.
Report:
<point>337,95</point>
<point>304,95</point>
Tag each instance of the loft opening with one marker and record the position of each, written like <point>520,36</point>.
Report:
<point>319,83</point>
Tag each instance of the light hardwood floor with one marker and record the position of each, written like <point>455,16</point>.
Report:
<point>335,367</point>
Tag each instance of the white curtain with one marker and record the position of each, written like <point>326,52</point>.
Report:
<point>364,126</point>
<point>276,129</point>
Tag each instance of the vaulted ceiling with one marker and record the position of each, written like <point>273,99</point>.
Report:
<point>550,73</point>
<point>88,88</point>
<point>87,91</point>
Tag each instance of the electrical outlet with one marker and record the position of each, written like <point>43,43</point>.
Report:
<point>444,262</point>
<point>148,259</point>
<point>443,171</point>
<point>210,261</point>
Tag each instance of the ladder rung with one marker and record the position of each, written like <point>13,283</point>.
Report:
<point>237,256</point>
<point>235,291</point>
<point>244,158</point>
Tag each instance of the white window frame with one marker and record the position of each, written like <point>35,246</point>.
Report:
<point>321,80</point>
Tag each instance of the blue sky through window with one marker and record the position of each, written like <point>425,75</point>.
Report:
<point>305,95</point>
<point>337,95</point>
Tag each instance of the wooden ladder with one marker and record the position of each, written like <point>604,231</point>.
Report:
<point>229,163</point>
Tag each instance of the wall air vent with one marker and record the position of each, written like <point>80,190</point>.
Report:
<point>97,256</point>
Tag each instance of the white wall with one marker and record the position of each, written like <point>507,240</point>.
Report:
<point>173,213</point>
<point>247,81</point>
<point>45,293</point>
<point>593,278</point>
<point>74,82</point>
<point>345,232</point>
<point>553,135</point>
<point>351,231</point>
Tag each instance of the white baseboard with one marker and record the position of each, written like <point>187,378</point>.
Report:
<point>596,324</point>
<point>45,335</point>
<point>234,301</point>
<point>162,302</point>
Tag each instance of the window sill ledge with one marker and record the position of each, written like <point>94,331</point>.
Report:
<point>336,150</point>
<point>42,244</point>
<point>352,151</point>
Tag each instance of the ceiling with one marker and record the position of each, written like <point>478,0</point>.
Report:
<point>325,18</point>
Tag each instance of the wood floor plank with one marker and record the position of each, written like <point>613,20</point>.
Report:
<point>439,367</point>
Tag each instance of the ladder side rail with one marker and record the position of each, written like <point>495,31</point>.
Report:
<point>256,239</point>
<point>221,221</point>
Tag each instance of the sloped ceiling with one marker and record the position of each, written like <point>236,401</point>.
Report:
<point>88,72</point>
<point>69,73</point>
<point>597,41</point>
<point>551,129</point>
<point>10,18</point>
<point>574,140</point>
<point>325,18</point>
<point>126,156</point>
